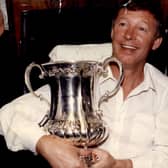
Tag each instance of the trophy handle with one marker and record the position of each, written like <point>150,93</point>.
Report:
<point>108,93</point>
<point>27,79</point>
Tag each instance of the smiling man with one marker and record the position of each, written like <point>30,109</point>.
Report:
<point>139,114</point>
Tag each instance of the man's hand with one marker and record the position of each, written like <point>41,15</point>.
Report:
<point>59,152</point>
<point>102,159</point>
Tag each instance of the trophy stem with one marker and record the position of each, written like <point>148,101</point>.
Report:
<point>88,159</point>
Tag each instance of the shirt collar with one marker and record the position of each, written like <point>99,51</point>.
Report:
<point>147,84</point>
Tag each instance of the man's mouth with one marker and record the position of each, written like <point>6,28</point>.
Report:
<point>128,47</point>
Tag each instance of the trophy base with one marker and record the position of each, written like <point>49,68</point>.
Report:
<point>95,133</point>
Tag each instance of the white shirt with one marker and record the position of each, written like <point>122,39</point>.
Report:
<point>138,126</point>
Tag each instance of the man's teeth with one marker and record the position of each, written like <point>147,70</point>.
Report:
<point>128,47</point>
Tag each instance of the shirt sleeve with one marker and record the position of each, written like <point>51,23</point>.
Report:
<point>19,121</point>
<point>157,155</point>
<point>152,159</point>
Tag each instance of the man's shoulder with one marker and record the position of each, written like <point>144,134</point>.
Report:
<point>157,76</point>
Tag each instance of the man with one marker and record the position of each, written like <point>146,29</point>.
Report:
<point>137,115</point>
<point>138,121</point>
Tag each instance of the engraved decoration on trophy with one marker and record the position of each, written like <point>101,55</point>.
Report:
<point>75,112</point>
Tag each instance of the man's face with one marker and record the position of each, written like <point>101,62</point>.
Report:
<point>133,36</point>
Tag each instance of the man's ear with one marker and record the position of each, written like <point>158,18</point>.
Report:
<point>111,33</point>
<point>157,43</point>
<point>2,27</point>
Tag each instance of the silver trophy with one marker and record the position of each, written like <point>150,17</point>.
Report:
<point>75,112</point>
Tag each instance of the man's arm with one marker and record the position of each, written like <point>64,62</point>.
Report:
<point>19,121</point>
<point>19,125</point>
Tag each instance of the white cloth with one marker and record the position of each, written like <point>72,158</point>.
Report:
<point>67,52</point>
<point>138,126</point>
<point>19,120</point>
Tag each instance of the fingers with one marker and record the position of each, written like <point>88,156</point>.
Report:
<point>88,157</point>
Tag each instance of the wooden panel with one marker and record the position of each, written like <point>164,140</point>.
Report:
<point>22,5</point>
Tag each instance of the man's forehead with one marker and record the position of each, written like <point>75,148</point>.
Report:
<point>141,14</point>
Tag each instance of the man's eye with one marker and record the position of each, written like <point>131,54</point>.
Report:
<point>143,29</point>
<point>122,24</point>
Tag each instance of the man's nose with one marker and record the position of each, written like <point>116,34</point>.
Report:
<point>130,34</point>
